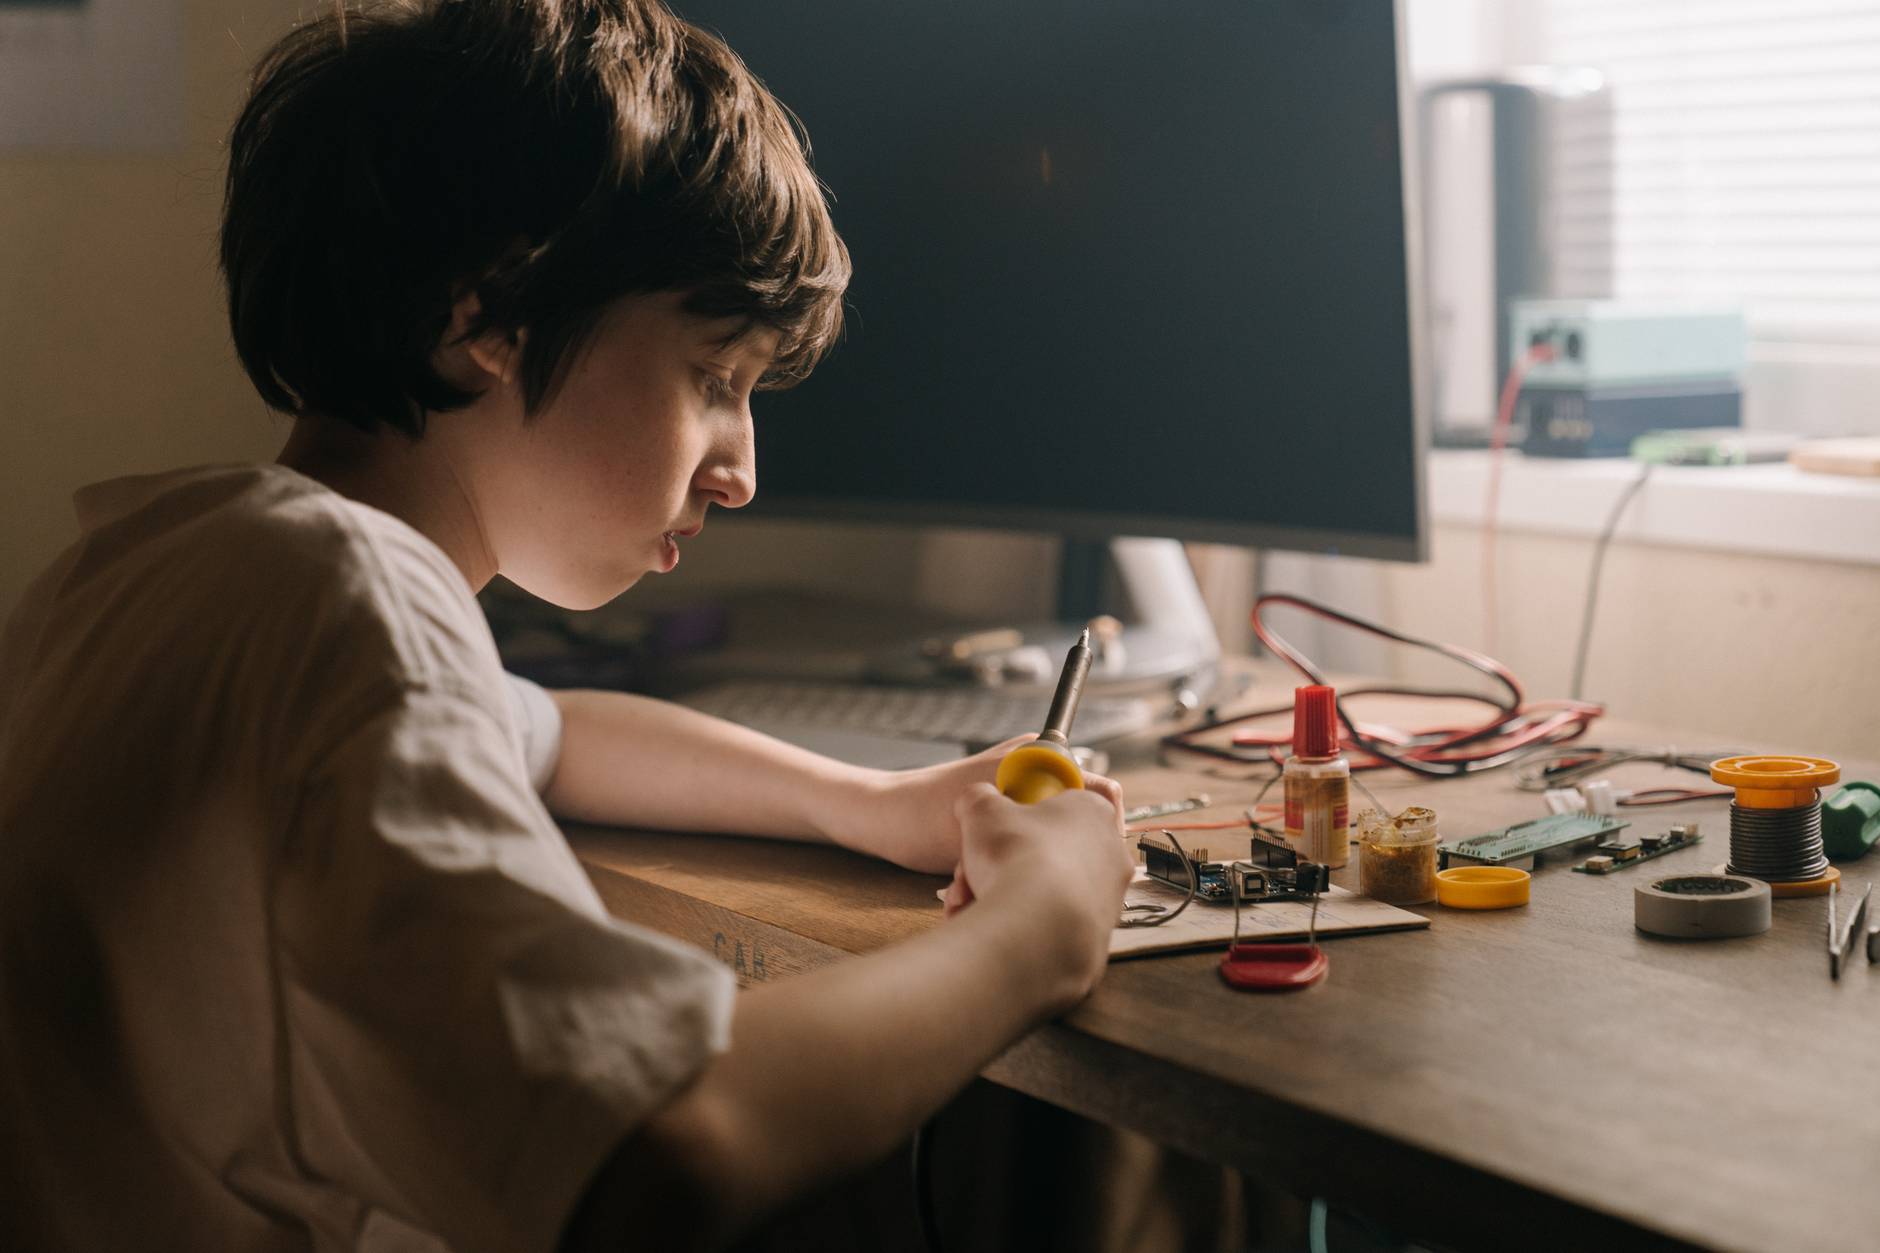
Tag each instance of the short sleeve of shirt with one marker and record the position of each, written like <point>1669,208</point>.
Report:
<point>539,721</point>
<point>466,1032</point>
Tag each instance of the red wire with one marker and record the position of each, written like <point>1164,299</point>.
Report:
<point>1528,734</point>
<point>1440,752</point>
<point>1497,439</point>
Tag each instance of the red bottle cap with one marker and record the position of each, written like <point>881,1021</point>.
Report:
<point>1315,722</point>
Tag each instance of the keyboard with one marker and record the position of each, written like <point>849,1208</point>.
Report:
<point>960,715</point>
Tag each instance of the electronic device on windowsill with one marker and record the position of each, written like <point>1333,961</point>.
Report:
<point>1621,370</point>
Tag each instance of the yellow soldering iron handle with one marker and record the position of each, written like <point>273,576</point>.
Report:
<point>1041,769</point>
<point>1036,772</point>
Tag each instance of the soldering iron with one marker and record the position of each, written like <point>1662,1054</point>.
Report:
<point>1039,770</point>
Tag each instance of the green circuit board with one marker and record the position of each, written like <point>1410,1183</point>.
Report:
<point>1526,839</point>
<point>1618,854</point>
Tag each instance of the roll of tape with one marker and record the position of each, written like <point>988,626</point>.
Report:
<point>1702,906</point>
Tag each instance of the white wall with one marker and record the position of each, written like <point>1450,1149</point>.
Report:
<point>1729,647</point>
<point>114,355</point>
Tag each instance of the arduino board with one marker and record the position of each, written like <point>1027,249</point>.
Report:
<point>1216,881</point>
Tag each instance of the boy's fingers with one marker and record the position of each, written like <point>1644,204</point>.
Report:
<point>959,895</point>
<point>1109,789</point>
<point>975,796</point>
<point>989,758</point>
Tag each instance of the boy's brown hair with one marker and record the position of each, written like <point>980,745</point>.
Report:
<point>550,156</point>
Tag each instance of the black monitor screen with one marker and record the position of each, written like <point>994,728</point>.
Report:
<point>1121,267</point>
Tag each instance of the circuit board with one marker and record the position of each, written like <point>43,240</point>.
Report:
<point>1619,853</point>
<point>1526,839</point>
<point>1214,881</point>
<point>1165,866</point>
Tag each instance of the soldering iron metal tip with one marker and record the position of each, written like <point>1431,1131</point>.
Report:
<point>1057,723</point>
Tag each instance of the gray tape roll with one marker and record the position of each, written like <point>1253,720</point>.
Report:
<point>1702,906</point>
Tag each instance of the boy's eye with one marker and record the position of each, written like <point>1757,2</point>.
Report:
<point>719,388</point>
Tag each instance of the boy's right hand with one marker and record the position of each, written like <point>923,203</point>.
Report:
<point>1064,859</point>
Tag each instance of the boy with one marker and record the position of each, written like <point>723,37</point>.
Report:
<point>291,952</point>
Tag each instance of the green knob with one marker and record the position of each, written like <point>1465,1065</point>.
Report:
<point>1850,821</point>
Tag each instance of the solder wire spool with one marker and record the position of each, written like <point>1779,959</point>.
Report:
<point>1775,820</point>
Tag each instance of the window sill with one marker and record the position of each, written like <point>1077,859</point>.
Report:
<point>1773,510</point>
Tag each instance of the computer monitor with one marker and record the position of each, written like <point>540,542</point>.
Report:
<point>1122,268</point>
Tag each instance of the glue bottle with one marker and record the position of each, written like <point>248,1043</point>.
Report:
<point>1317,781</point>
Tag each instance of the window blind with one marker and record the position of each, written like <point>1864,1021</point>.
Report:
<point>1746,158</point>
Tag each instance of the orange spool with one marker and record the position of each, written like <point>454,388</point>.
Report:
<point>1765,782</point>
<point>1775,819</point>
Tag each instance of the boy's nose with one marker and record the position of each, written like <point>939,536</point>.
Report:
<point>731,486</point>
<point>730,477</point>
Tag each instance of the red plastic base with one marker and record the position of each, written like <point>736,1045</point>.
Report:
<point>1273,967</point>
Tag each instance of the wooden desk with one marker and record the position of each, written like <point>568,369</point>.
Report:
<point>1546,1077</point>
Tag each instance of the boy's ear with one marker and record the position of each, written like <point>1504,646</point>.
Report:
<point>496,353</point>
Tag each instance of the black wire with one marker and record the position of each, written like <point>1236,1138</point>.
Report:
<point>1592,579</point>
<point>1194,885</point>
<point>922,1163</point>
<point>1468,657</point>
<point>1511,718</point>
<point>1183,739</point>
<point>1563,767</point>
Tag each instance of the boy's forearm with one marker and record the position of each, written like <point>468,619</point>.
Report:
<point>917,1022</point>
<point>829,1071</point>
<point>633,761</point>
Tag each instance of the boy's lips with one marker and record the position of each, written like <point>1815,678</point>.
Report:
<point>669,547</point>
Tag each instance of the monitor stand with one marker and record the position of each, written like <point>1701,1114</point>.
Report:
<point>1167,641</point>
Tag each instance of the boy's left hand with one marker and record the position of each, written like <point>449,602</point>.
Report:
<point>906,816</point>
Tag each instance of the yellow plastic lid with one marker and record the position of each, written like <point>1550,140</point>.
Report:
<point>1775,782</point>
<point>1482,887</point>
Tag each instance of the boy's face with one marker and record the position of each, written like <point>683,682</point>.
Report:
<point>651,427</point>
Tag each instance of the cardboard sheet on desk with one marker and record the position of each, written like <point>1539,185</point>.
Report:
<point>1205,924</point>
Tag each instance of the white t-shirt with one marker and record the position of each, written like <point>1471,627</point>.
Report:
<point>291,955</point>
